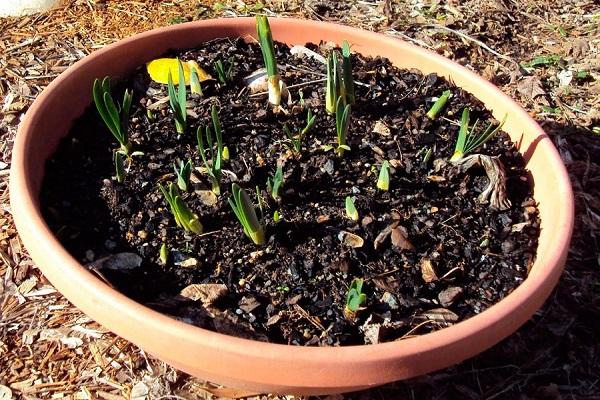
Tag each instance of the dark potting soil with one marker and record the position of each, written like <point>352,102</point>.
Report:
<point>442,257</point>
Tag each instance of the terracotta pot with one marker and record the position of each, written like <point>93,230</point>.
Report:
<point>266,367</point>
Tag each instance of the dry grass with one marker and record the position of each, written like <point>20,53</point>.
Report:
<point>49,349</point>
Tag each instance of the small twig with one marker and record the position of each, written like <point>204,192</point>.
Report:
<point>23,44</point>
<point>308,317</point>
<point>472,39</point>
<point>407,334</point>
<point>394,32</point>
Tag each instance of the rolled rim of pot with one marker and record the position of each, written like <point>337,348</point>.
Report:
<point>266,367</point>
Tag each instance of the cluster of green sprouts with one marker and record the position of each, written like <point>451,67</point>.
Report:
<point>223,75</point>
<point>178,100</point>
<point>339,95</point>
<point>355,299</point>
<point>340,83</point>
<point>295,141</point>
<point>213,167</point>
<point>467,140</point>
<point>116,118</point>
<point>184,217</point>
<point>244,210</point>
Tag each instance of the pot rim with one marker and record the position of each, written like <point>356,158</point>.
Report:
<point>35,232</point>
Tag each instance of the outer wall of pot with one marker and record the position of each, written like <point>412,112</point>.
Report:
<point>264,367</point>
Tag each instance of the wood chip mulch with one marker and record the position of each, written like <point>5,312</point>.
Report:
<point>546,54</point>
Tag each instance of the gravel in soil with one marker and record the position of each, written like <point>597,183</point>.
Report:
<point>432,255</point>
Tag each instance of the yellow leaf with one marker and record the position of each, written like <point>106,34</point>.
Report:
<point>159,70</point>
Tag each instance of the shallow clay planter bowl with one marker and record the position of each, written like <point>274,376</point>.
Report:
<point>264,367</point>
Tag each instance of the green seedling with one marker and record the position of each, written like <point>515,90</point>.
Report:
<point>213,168</point>
<point>467,140</point>
<point>114,115</point>
<point>184,217</point>
<point>149,115</point>
<point>163,254</point>
<point>348,81</point>
<point>274,184</point>
<point>225,153</point>
<point>548,60</point>
<point>427,153</point>
<point>342,122</point>
<point>276,216</point>
<point>355,299</point>
<point>244,211</point>
<point>334,83</point>
<point>383,181</point>
<point>351,210</point>
<point>224,75</point>
<point>178,100</point>
<point>119,166</point>
<point>195,83</point>
<point>265,39</point>
<point>296,141</point>
<point>183,173</point>
<point>438,105</point>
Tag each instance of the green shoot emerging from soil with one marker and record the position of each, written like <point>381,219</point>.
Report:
<point>383,181</point>
<point>339,85</point>
<point>183,173</point>
<point>265,39</point>
<point>119,166</point>
<point>195,83</point>
<point>115,116</point>
<point>223,75</point>
<point>354,299</point>
<point>342,122</point>
<point>333,86</point>
<point>296,141</point>
<point>438,105</point>
<point>468,140</point>
<point>178,100</point>
<point>351,210</point>
<point>163,254</point>
<point>348,81</point>
<point>213,168</point>
<point>184,217</point>
<point>274,184</point>
<point>244,211</point>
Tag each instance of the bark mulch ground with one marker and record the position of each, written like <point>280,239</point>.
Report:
<point>544,54</point>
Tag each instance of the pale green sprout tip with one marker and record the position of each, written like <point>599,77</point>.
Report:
<point>383,181</point>
<point>163,254</point>
<point>439,105</point>
<point>351,210</point>
<point>195,83</point>
<point>274,184</point>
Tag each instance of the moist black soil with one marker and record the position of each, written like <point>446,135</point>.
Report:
<point>449,259</point>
